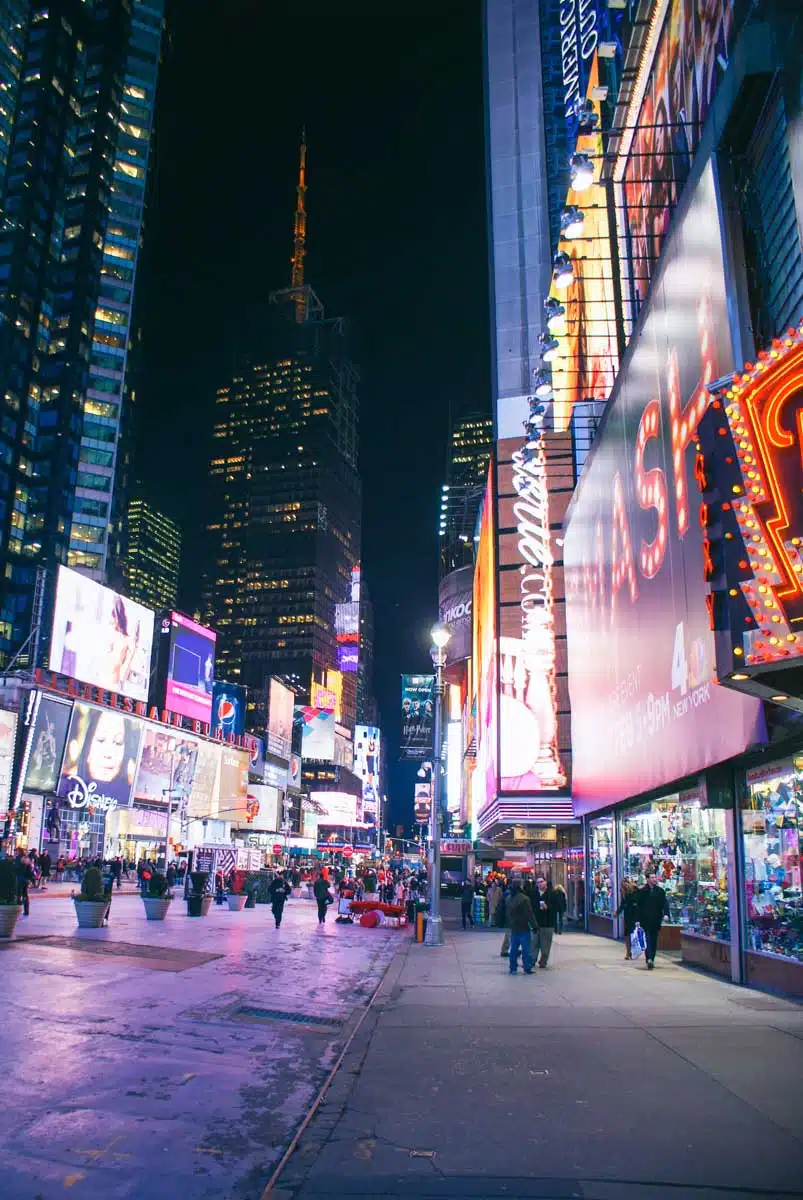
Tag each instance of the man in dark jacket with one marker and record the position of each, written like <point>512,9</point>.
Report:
<point>543,903</point>
<point>521,919</point>
<point>467,904</point>
<point>320,890</point>
<point>279,891</point>
<point>653,907</point>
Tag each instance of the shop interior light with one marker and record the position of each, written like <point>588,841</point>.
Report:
<point>549,348</point>
<point>582,171</point>
<point>562,270</point>
<point>542,384</point>
<point>740,676</point>
<point>572,222</point>
<point>778,699</point>
<point>555,315</point>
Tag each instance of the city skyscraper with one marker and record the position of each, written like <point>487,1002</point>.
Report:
<point>153,556</point>
<point>77,93</point>
<point>470,449</point>
<point>285,502</point>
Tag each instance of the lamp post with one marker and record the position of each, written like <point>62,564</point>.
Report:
<point>434,935</point>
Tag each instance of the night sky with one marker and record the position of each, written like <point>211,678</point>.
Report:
<point>391,98</point>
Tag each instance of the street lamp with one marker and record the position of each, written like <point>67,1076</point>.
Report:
<point>434,936</point>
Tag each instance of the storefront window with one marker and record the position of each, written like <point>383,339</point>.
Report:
<point>772,830</point>
<point>685,844</point>
<point>600,868</point>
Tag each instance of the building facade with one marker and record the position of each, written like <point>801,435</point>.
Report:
<point>152,557</point>
<point>683,576</point>
<point>470,449</point>
<point>75,134</point>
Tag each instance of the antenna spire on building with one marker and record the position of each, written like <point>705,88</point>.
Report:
<point>300,234</point>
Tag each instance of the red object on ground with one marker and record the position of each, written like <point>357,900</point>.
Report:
<point>370,919</point>
<point>365,906</point>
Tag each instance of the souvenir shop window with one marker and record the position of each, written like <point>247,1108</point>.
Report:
<point>772,836</point>
<point>650,843</point>
<point>600,867</point>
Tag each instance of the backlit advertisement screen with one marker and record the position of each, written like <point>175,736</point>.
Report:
<point>366,767</point>
<point>484,603</point>
<point>280,719</point>
<point>100,637</point>
<point>455,600</point>
<point>48,738</point>
<point>100,759</point>
<point>338,808</point>
<point>166,765</point>
<point>228,709</point>
<point>263,808</point>
<point>202,802</point>
<point>8,742</point>
<point>646,709</point>
<point>454,765</point>
<point>679,92</point>
<point>190,669</point>
<point>233,785</point>
<point>317,733</point>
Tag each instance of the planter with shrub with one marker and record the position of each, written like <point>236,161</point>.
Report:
<point>93,902</point>
<point>157,902</point>
<point>9,909</point>
<point>235,896</point>
<point>198,902</point>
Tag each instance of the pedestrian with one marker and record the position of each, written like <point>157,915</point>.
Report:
<point>117,871</point>
<point>560,904</point>
<point>543,906</point>
<point>521,919</point>
<point>653,907</point>
<point>279,891</point>
<point>24,880</point>
<point>45,866</point>
<point>320,890</point>
<point>467,904</point>
<point>629,909</point>
<point>493,896</point>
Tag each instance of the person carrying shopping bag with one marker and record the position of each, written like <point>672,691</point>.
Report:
<point>629,909</point>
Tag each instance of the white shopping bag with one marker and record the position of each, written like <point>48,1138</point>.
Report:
<point>638,941</point>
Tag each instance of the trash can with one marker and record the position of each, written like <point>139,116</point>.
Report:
<point>420,925</point>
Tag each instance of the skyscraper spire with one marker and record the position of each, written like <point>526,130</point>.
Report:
<point>300,234</point>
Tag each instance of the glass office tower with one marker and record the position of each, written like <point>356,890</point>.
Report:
<point>77,92</point>
<point>152,557</point>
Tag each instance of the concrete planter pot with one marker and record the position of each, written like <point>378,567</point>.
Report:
<point>9,915</point>
<point>236,903</point>
<point>198,906</point>
<point>156,907</point>
<point>91,914</point>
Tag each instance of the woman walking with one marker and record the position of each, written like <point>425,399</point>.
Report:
<point>629,909</point>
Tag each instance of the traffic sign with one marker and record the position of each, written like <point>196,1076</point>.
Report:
<point>277,849</point>
<point>347,851</point>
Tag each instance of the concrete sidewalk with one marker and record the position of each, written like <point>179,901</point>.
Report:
<point>594,1078</point>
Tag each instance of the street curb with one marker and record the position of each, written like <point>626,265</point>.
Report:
<point>326,1110</point>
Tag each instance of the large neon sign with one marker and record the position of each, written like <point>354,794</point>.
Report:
<point>750,474</point>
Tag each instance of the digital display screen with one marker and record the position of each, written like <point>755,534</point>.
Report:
<point>100,637</point>
<point>190,669</point>
<point>101,757</point>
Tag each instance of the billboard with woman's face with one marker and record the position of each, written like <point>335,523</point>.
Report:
<point>100,759</point>
<point>100,637</point>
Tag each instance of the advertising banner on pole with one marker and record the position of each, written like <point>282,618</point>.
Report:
<point>417,710</point>
<point>455,602</point>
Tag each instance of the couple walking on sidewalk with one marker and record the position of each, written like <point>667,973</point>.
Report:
<point>533,910</point>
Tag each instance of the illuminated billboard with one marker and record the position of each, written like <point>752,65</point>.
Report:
<point>166,765</point>
<point>202,801</point>
<point>751,513</point>
<point>228,709</point>
<point>367,739</point>
<point>317,733</point>
<point>322,697</point>
<point>337,808</point>
<point>417,709</point>
<point>8,742</point>
<point>657,157</point>
<point>484,658</point>
<point>646,708</point>
<point>233,785</point>
<point>100,759</point>
<point>190,669</point>
<point>100,637</point>
<point>280,719</point>
<point>347,633</point>
<point>454,765</point>
<point>47,741</point>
